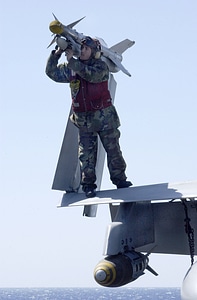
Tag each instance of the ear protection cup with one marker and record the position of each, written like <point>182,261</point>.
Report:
<point>98,49</point>
<point>97,55</point>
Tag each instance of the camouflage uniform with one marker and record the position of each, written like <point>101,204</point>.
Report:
<point>94,121</point>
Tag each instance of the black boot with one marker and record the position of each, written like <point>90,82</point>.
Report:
<point>89,190</point>
<point>124,184</point>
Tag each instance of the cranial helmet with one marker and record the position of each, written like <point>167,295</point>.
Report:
<point>94,44</point>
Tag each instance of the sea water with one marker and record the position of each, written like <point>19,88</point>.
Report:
<point>89,293</point>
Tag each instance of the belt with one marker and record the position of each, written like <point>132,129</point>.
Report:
<point>91,105</point>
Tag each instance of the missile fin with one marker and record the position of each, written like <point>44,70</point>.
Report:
<point>55,17</point>
<point>151,270</point>
<point>52,42</point>
<point>119,65</point>
<point>122,46</point>
<point>74,23</point>
<point>70,25</point>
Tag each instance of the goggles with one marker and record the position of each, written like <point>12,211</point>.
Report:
<point>92,43</point>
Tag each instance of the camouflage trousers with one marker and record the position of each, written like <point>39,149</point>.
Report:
<point>88,144</point>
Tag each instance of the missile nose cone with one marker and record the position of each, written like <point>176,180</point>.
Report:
<point>56,27</point>
<point>105,273</point>
<point>100,275</point>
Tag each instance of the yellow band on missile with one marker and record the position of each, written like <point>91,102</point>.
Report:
<point>109,269</point>
<point>56,27</point>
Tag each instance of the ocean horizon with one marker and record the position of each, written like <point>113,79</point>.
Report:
<point>90,293</point>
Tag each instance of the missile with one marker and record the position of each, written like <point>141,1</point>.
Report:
<point>66,36</point>
<point>118,270</point>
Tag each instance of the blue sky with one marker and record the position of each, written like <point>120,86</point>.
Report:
<point>45,246</point>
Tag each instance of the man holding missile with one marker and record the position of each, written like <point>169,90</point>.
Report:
<point>93,112</point>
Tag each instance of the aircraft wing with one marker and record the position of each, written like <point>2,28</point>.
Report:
<point>169,231</point>
<point>154,192</point>
<point>67,175</point>
<point>159,222</point>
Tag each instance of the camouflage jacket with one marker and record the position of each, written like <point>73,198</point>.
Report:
<point>88,81</point>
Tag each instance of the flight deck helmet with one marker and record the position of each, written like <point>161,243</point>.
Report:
<point>94,44</point>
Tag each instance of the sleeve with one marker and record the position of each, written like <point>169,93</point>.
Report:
<point>58,73</point>
<point>96,71</point>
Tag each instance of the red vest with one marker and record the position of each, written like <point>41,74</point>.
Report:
<point>91,96</point>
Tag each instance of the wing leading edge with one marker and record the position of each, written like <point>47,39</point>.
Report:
<point>154,192</point>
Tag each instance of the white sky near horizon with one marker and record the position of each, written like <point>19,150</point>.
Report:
<point>42,246</point>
